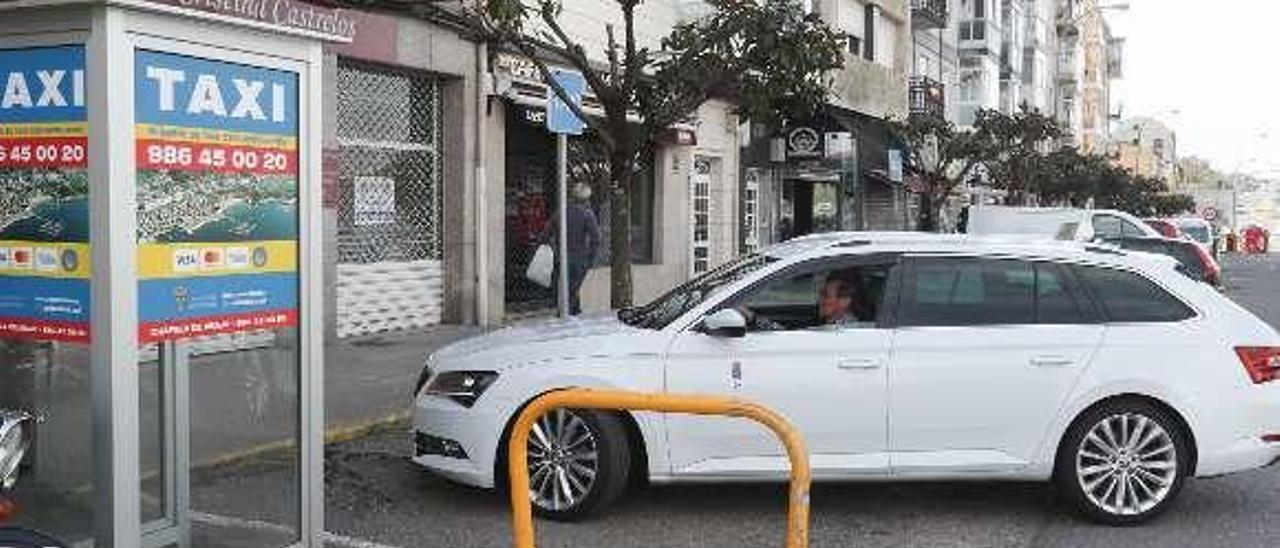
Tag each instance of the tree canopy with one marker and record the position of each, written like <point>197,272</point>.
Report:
<point>1019,154</point>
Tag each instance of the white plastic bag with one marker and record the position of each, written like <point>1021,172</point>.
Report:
<point>540,268</point>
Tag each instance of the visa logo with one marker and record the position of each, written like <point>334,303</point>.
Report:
<point>43,88</point>
<point>205,94</point>
<point>186,259</point>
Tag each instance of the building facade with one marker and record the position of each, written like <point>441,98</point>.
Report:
<point>935,59</point>
<point>1089,58</point>
<point>440,176</point>
<point>837,170</point>
<point>1147,147</point>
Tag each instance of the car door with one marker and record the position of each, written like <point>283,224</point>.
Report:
<point>828,380</point>
<point>985,353</point>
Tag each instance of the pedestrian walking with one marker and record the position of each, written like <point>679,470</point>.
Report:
<point>583,243</point>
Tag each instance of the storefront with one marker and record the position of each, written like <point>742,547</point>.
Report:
<point>390,271</point>
<point>529,189</point>
<point>837,171</point>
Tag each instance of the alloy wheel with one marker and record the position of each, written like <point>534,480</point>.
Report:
<point>563,460</point>
<point>1126,464</point>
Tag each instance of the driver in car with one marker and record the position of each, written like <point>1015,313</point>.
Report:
<point>839,306</point>
<point>835,303</point>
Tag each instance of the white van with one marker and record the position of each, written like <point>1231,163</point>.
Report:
<point>1058,223</point>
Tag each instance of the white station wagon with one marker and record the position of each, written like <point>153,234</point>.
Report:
<point>898,356</point>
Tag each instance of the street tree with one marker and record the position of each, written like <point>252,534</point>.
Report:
<point>1172,205</point>
<point>940,157</point>
<point>768,57</point>
<point>1014,148</point>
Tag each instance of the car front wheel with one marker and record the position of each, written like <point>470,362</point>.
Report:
<point>578,463</point>
<point>1123,463</point>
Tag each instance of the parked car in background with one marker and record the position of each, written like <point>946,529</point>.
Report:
<point>1165,227</point>
<point>1200,231</point>
<point>1196,261</point>
<point>896,356</point>
<point>1081,225</point>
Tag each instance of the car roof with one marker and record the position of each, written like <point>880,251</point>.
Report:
<point>861,243</point>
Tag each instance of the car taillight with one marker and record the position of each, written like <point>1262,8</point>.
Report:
<point>1212,272</point>
<point>1261,362</point>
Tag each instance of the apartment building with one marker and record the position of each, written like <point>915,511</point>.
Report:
<point>935,59</point>
<point>1147,147</point>
<point>1089,58</point>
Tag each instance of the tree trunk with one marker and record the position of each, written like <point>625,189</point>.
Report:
<point>622,173</point>
<point>927,218</point>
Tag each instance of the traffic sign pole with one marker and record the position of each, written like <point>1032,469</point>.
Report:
<point>562,121</point>
<point>562,286</point>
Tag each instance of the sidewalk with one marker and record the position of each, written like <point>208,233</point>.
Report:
<point>371,378</point>
<point>245,402</point>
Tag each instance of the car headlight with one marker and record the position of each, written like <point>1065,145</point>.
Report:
<point>464,387</point>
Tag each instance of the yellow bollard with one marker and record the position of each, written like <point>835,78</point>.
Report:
<point>518,450</point>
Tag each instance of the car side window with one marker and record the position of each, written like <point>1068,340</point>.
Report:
<point>1130,230</point>
<point>1056,303</point>
<point>1129,298</point>
<point>969,292</point>
<point>960,292</point>
<point>1107,227</point>
<point>836,297</point>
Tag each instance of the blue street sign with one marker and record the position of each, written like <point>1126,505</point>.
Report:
<point>560,119</point>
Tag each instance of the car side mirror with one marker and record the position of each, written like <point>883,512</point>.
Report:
<point>726,323</point>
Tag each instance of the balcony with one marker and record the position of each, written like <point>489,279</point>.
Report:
<point>927,96</point>
<point>929,14</point>
<point>980,36</point>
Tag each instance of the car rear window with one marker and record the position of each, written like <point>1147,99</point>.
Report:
<point>1125,297</point>
<point>1184,252</point>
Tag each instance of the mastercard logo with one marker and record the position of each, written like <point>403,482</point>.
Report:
<point>212,258</point>
<point>22,258</point>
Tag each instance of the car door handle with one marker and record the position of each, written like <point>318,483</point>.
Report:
<point>852,364</point>
<point>1052,361</point>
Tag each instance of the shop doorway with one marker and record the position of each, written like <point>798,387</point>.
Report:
<point>809,207</point>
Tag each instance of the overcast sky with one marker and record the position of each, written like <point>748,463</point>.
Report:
<point>1216,66</point>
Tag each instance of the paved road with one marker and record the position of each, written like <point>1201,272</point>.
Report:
<point>374,494</point>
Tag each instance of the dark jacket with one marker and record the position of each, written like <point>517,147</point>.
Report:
<point>584,233</point>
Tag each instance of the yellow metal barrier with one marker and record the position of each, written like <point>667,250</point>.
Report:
<point>518,450</point>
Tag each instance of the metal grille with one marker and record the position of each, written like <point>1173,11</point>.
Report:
<point>390,169</point>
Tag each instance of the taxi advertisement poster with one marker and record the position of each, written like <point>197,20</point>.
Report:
<point>44,192</point>
<point>217,187</point>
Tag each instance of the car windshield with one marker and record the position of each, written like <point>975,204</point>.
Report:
<point>665,309</point>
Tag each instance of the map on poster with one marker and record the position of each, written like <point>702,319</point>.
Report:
<point>217,158</point>
<point>44,193</point>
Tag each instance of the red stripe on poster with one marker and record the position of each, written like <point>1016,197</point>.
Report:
<point>57,152</point>
<point>215,158</point>
<point>215,325</point>
<point>37,330</point>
